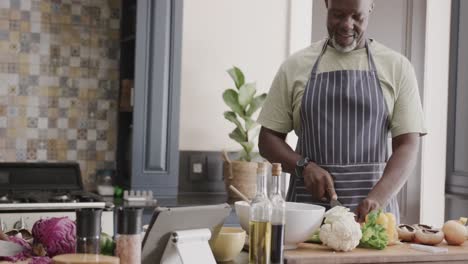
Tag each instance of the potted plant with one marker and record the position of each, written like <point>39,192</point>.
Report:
<point>243,103</point>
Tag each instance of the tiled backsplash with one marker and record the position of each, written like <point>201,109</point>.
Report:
<point>59,80</point>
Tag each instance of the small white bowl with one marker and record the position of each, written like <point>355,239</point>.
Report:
<point>228,244</point>
<point>301,220</point>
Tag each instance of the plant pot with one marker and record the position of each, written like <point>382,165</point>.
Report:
<point>243,176</point>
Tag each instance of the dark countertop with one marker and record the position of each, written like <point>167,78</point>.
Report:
<point>192,199</point>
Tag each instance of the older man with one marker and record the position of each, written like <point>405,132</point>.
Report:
<point>343,96</point>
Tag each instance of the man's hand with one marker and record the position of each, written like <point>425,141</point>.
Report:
<point>319,182</point>
<point>365,207</point>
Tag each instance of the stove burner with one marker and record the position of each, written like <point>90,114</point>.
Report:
<point>4,199</point>
<point>86,199</point>
<point>62,198</point>
<point>24,200</point>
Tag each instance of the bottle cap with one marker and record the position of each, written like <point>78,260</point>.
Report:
<point>276,169</point>
<point>261,166</point>
<point>129,220</point>
<point>88,222</point>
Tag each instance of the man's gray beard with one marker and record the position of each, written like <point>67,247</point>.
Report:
<point>345,49</point>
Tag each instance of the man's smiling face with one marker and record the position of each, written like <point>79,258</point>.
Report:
<point>347,23</point>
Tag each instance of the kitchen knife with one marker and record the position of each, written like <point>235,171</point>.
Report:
<point>9,249</point>
<point>335,202</point>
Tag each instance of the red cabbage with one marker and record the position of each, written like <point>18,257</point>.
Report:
<point>27,252</point>
<point>56,235</point>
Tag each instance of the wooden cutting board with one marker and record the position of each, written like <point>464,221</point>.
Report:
<point>313,253</point>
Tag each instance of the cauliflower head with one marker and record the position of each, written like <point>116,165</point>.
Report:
<point>340,231</point>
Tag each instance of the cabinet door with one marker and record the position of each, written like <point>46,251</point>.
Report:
<point>157,87</point>
<point>457,140</point>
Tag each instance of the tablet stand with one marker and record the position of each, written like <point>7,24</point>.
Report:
<point>188,246</point>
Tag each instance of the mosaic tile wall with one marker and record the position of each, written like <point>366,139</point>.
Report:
<point>59,75</point>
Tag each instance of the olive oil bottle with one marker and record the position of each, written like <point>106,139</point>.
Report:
<point>260,224</point>
<point>278,216</point>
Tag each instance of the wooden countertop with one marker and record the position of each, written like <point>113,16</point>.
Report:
<point>313,253</point>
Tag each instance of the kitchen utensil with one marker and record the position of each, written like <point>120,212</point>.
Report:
<point>88,230</point>
<point>8,249</point>
<point>335,202</point>
<point>239,193</point>
<point>430,249</point>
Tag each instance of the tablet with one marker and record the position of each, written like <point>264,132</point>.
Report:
<point>167,220</point>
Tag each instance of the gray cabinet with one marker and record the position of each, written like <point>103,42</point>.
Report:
<point>457,144</point>
<point>155,119</point>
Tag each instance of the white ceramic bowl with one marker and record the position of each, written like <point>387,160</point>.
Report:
<point>228,244</point>
<point>301,220</point>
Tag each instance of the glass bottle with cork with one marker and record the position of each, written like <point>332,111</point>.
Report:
<point>278,216</point>
<point>259,224</point>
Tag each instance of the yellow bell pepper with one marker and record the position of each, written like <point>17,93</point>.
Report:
<point>388,221</point>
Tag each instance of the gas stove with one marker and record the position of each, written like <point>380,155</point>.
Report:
<point>50,200</point>
<point>30,191</point>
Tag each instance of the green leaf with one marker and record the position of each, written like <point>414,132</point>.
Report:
<point>249,124</point>
<point>245,156</point>
<point>256,103</point>
<point>246,93</point>
<point>231,116</point>
<point>237,76</point>
<point>238,135</point>
<point>230,97</point>
<point>248,146</point>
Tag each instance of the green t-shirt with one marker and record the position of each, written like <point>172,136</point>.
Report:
<point>281,111</point>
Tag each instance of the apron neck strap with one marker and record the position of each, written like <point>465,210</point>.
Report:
<point>370,59</point>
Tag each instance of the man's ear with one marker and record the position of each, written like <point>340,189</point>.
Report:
<point>372,6</point>
<point>326,4</point>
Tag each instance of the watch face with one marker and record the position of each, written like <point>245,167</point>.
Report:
<point>302,162</point>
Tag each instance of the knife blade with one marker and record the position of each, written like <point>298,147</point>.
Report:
<point>9,249</point>
<point>335,202</point>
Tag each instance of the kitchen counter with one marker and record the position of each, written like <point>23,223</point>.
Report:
<point>313,253</point>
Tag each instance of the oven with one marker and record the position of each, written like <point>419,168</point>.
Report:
<point>31,191</point>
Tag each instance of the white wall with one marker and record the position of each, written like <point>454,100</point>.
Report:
<point>436,102</point>
<point>253,35</point>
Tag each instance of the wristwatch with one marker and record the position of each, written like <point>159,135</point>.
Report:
<point>300,165</point>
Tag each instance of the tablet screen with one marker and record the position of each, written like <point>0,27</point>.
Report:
<point>167,220</point>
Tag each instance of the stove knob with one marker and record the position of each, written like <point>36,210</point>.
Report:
<point>2,226</point>
<point>21,224</point>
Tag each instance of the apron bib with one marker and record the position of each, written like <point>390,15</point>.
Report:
<point>344,129</point>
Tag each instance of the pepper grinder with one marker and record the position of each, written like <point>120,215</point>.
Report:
<point>88,230</point>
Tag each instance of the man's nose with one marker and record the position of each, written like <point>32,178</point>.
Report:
<point>347,24</point>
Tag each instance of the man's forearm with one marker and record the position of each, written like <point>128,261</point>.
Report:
<point>399,167</point>
<point>273,147</point>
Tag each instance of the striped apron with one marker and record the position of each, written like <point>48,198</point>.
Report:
<point>344,129</point>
